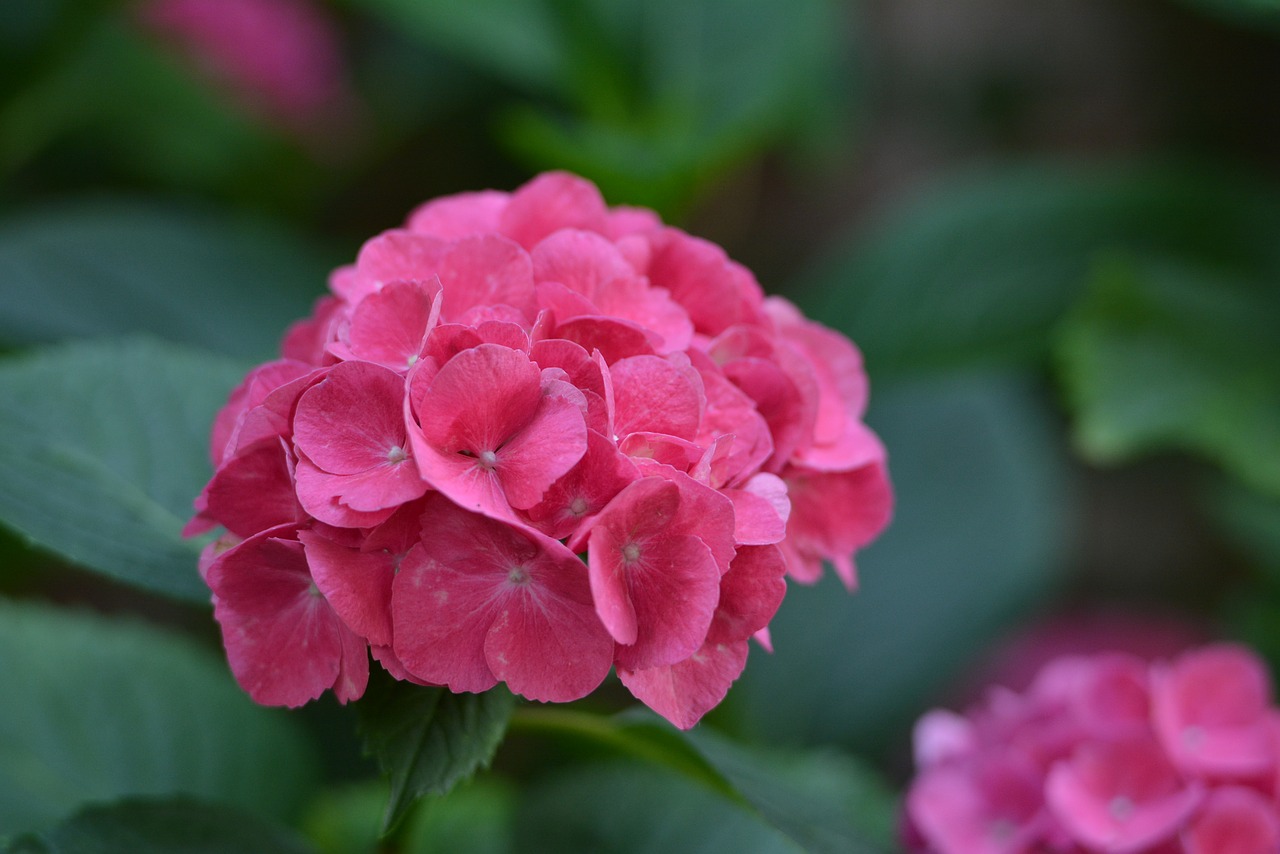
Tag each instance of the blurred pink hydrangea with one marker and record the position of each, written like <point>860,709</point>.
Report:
<point>282,59</point>
<point>1106,753</point>
<point>529,439</point>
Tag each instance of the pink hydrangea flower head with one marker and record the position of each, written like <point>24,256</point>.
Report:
<point>531,439</point>
<point>282,58</point>
<point>1092,737</point>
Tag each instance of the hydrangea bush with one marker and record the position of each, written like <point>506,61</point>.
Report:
<point>529,439</point>
<point>1107,753</point>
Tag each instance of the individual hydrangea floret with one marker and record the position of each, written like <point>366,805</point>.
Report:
<point>530,439</point>
<point>1106,753</point>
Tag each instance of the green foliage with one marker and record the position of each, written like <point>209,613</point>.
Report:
<point>153,826</point>
<point>1166,355</point>
<point>651,100</point>
<point>980,271</point>
<point>983,506</point>
<point>104,471</point>
<point>113,266</point>
<point>427,740</point>
<point>111,708</point>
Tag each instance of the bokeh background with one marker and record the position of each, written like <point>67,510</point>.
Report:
<point>1053,228</point>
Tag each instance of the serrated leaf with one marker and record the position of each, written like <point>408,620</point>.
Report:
<point>104,267</point>
<point>1165,355</point>
<point>101,708</point>
<point>427,740</point>
<point>152,826</point>
<point>103,447</point>
<point>979,271</point>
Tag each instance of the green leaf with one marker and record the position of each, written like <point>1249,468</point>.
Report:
<point>640,809</point>
<point>1260,13</point>
<point>103,447</point>
<point>427,740</point>
<point>824,801</point>
<point>475,818</point>
<point>979,535</point>
<point>518,40</point>
<point>108,267</point>
<point>1249,519</point>
<point>1165,355</point>
<point>979,271</point>
<point>102,708</point>
<point>150,826</point>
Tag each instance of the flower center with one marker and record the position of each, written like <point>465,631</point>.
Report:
<point>488,460</point>
<point>630,553</point>
<point>579,506</point>
<point>518,575</point>
<point>1120,808</point>
<point>396,454</point>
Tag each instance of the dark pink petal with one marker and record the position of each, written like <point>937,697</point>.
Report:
<point>320,494</point>
<point>651,394</point>
<point>1120,795</point>
<point>652,308</point>
<point>590,485</point>
<point>356,584</point>
<point>481,600</point>
<point>486,270</point>
<point>253,491</point>
<point>390,326</point>
<point>685,691</point>
<point>479,399</point>
<point>284,642</point>
<point>655,590</point>
<point>1234,820</point>
<point>832,515</point>
<point>550,202</point>
<point>542,452</point>
<point>679,454</point>
<point>1211,709</point>
<point>786,410</point>
<point>273,417</point>
<point>353,669</point>
<point>836,363</point>
<point>251,392</point>
<point>615,339</point>
<point>716,292</point>
<point>353,420</point>
<point>458,216</point>
<point>306,340</point>
<point>750,593</point>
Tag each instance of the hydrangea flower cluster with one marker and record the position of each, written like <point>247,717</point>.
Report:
<point>1107,753</point>
<point>529,439</point>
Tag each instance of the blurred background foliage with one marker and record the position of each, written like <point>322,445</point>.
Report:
<point>1053,228</point>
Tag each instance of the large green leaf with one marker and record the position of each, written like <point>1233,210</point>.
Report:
<point>427,740</point>
<point>1165,355</point>
<point>113,266</point>
<point>979,271</point>
<point>96,709</point>
<point>103,446</point>
<point>978,535</point>
<point>154,826</point>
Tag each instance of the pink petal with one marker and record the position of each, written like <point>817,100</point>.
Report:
<point>320,494</point>
<point>987,806</point>
<point>542,452</point>
<point>479,399</point>
<point>390,326</point>
<point>393,256</point>
<point>356,584</point>
<point>253,491</point>
<point>284,642</point>
<point>583,261</point>
<point>716,292</point>
<point>1234,820</point>
<point>760,510</point>
<point>685,691</point>
<point>353,420</point>
<point>750,593</point>
<point>458,216</point>
<point>615,339</point>
<point>486,270</point>
<point>833,514</point>
<point>552,201</point>
<point>584,491</point>
<point>651,394</point>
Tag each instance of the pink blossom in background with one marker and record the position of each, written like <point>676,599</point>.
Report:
<point>1106,753</point>
<point>281,58</point>
<point>530,439</point>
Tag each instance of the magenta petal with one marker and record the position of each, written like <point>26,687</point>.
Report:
<point>552,201</point>
<point>1234,820</point>
<point>393,256</point>
<point>479,399</point>
<point>390,326</point>
<point>441,611</point>
<point>357,584</point>
<point>750,593</point>
<point>284,642</point>
<point>583,261</point>
<point>253,491</point>
<point>542,452</point>
<point>760,510</point>
<point>461,215</point>
<point>467,483</point>
<point>685,691</point>
<point>319,493</point>
<point>653,395</point>
<point>485,271</point>
<point>353,419</point>
<point>654,590</point>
